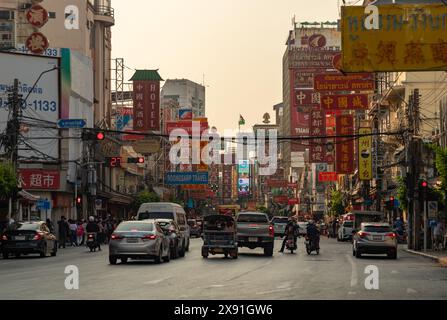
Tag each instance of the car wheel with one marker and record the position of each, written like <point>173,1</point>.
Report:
<point>187,246</point>
<point>43,254</point>
<point>358,255</point>
<point>392,255</point>
<point>54,252</point>
<point>204,253</point>
<point>159,257</point>
<point>112,260</point>
<point>182,251</point>
<point>5,255</point>
<point>124,260</point>
<point>353,252</point>
<point>268,251</point>
<point>168,256</point>
<point>235,254</point>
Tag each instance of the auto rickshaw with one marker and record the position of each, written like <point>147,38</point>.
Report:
<point>219,236</point>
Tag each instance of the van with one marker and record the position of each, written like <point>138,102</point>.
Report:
<point>166,210</point>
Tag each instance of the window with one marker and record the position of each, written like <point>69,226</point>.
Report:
<point>181,219</point>
<point>378,229</point>
<point>135,226</point>
<point>155,215</point>
<point>252,218</point>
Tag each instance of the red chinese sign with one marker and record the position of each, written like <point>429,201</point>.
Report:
<point>277,183</point>
<point>317,152</point>
<point>350,82</point>
<point>345,146</point>
<point>186,125</point>
<point>39,179</point>
<point>146,96</point>
<point>306,98</point>
<point>37,43</point>
<point>327,176</point>
<point>37,16</point>
<point>345,102</point>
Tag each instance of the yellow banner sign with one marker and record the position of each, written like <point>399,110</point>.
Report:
<point>365,156</point>
<point>408,38</point>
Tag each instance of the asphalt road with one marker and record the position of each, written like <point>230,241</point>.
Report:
<point>334,274</point>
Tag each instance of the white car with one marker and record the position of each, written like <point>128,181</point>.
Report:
<point>303,228</point>
<point>345,231</point>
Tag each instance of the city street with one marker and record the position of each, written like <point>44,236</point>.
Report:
<point>334,274</point>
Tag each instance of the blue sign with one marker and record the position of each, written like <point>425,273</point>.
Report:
<point>180,178</point>
<point>43,205</point>
<point>71,123</point>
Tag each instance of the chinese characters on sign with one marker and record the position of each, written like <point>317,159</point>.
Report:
<point>350,82</point>
<point>345,146</point>
<point>410,38</point>
<point>306,98</point>
<point>317,129</point>
<point>146,98</point>
<point>39,179</point>
<point>327,176</point>
<point>344,102</point>
<point>364,154</point>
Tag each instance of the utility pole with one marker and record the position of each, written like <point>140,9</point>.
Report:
<point>410,147</point>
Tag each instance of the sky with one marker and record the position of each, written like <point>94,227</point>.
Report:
<point>237,44</point>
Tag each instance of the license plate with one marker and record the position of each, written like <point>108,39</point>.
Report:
<point>253,239</point>
<point>132,240</point>
<point>19,238</point>
<point>377,238</point>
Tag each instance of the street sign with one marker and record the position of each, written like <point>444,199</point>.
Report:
<point>182,178</point>
<point>43,205</point>
<point>71,123</point>
<point>432,209</point>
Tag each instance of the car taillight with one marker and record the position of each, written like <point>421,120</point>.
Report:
<point>4,238</point>
<point>38,236</point>
<point>363,234</point>
<point>271,231</point>
<point>391,234</point>
<point>149,237</point>
<point>116,237</point>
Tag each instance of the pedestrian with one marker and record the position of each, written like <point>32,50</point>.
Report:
<point>101,232</point>
<point>84,226</point>
<point>50,225</point>
<point>63,231</point>
<point>439,236</point>
<point>79,233</point>
<point>73,230</point>
<point>432,226</point>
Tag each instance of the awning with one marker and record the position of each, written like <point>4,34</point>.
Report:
<point>28,196</point>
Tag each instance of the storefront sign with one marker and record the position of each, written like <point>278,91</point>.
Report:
<point>345,102</point>
<point>317,152</point>
<point>339,82</point>
<point>365,155</point>
<point>345,146</point>
<point>39,179</point>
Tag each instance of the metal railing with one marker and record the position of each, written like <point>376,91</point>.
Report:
<point>105,11</point>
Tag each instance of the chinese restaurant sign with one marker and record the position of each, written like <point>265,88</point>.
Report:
<point>365,156</point>
<point>345,146</point>
<point>146,105</point>
<point>39,179</point>
<point>339,82</point>
<point>317,152</point>
<point>409,38</point>
<point>345,102</point>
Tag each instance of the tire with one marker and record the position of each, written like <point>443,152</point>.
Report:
<point>157,259</point>
<point>308,251</point>
<point>187,246</point>
<point>226,255</point>
<point>112,260</point>
<point>358,255</point>
<point>168,257</point>
<point>124,260</point>
<point>392,255</point>
<point>291,251</point>
<point>318,251</point>
<point>5,255</point>
<point>53,254</point>
<point>235,254</point>
<point>338,239</point>
<point>353,252</point>
<point>268,251</point>
<point>174,253</point>
<point>204,253</point>
<point>182,251</point>
<point>91,249</point>
<point>43,254</point>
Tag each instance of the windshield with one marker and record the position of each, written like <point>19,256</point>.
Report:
<point>348,224</point>
<point>279,220</point>
<point>252,218</point>
<point>164,225</point>
<point>156,215</point>
<point>23,226</point>
<point>378,229</point>
<point>135,226</point>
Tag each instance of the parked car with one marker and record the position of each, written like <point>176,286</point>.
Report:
<point>166,210</point>
<point>279,225</point>
<point>172,231</point>
<point>28,238</point>
<point>194,228</point>
<point>345,231</point>
<point>302,228</point>
<point>376,238</point>
<point>139,240</point>
<point>254,230</point>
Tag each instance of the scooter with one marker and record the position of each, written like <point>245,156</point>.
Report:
<point>311,246</point>
<point>92,242</point>
<point>291,244</point>
<point>401,236</point>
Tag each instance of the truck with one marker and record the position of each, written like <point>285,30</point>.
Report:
<point>255,231</point>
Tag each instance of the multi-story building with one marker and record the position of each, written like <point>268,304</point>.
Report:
<point>188,95</point>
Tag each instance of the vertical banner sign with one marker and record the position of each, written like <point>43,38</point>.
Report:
<point>365,156</point>
<point>140,105</point>
<point>345,146</point>
<point>317,128</point>
<point>299,119</point>
<point>153,114</point>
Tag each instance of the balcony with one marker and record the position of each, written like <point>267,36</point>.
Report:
<point>105,14</point>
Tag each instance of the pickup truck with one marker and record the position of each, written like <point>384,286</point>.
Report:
<point>255,231</point>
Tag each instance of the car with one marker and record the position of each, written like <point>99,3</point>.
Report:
<point>166,210</point>
<point>172,231</point>
<point>375,238</point>
<point>194,228</point>
<point>302,228</point>
<point>28,238</point>
<point>279,225</point>
<point>139,240</point>
<point>345,231</point>
<point>255,231</point>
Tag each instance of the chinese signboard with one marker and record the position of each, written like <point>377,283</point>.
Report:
<point>306,98</point>
<point>345,102</point>
<point>39,179</point>
<point>146,105</point>
<point>317,152</point>
<point>345,146</point>
<point>365,156</point>
<point>350,82</point>
<point>409,38</point>
<point>311,61</point>
<point>327,176</point>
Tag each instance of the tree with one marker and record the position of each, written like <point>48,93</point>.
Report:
<point>337,207</point>
<point>8,179</point>
<point>402,193</point>
<point>145,197</point>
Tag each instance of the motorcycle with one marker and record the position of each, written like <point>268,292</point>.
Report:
<point>311,245</point>
<point>291,244</point>
<point>92,242</point>
<point>401,236</point>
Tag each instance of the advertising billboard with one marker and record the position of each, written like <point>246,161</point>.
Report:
<point>244,177</point>
<point>317,39</point>
<point>43,102</point>
<point>317,153</point>
<point>185,114</point>
<point>410,37</point>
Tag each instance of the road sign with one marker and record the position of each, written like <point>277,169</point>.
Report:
<point>43,205</point>
<point>432,209</point>
<point>182,178</point>
<point>71,123</point>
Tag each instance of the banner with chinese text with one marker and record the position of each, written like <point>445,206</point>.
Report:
<point>345,102</point>
<point>365,154</point>
<point>146,102</point>
<point>345,146</point>
<point>317,152</point>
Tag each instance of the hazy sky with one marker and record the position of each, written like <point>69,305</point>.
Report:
<point>237,44</point>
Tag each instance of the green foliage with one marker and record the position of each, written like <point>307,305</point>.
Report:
<point>8,179</point>
<point>263,209</point>
<point>145,197</point>
<point>337,207</point>
<point>402,193</point>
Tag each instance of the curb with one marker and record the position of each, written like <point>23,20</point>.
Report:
<point>441,260</point>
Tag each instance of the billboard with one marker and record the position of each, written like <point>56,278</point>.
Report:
<point>124,119</point>
<point>306,98</point>
<point>327,176</point>
<point>186,178</point>
<point>345,146</point>
<point>311,61</point>
<point>317,39</point>
<point>185,114</point>
<point>345,102</point>
<point>303,80</point>
<point>39,179</point>
<point>146,102</point>
<point>43,102</point>
<point>244,177</point>
<point>365,154</point>
<point>409,38</point>
<point>340,82</point>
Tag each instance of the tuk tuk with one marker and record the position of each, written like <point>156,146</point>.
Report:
<point>219,236</point>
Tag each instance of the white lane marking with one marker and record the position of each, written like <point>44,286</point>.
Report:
<point>409,291</point>
<point>352,292</point>
<point>354,275</point>
<point>217,286</point>
<point>274,291</point>
<point>394,272</point>
<point>157,281</point>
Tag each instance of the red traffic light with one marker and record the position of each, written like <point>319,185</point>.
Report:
<point>424,184</point>
<point>391,198</point>
<point>100,136</point>
<point>140,159</point>
<point>78,200</point>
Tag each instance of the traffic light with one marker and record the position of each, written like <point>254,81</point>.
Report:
<point>392,198</point>
<point>100,136</point>
<point>136,160</point>
<point>89,135</point>
<point>78,201</point>
<point>424,184</point>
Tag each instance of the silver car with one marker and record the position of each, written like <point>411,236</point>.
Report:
<point>279,225</point>
<point>376,238</point>
<point>139,240</point>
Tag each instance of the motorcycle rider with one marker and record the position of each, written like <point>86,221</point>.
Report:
<point>291,230</point>
<point>92,227</point>
<point>313,233</point>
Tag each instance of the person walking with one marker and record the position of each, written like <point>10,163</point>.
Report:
<point>438,234</point>
<point>73,229</point>
<point>63,231</point>
<point>79,233</point>
<point>84,226</point>
<point>50,225</point>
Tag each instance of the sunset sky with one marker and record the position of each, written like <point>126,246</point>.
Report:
<point>237,44</point>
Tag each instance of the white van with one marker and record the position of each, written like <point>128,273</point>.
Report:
<point>166,210</point>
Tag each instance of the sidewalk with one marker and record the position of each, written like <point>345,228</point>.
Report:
<point>438,256</point>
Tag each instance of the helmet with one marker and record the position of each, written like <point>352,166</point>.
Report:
<point>91,219</point>
<point>311,222</point>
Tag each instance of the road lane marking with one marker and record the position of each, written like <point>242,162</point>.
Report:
<point>157,281</point>
<point>354,275</point>
<point>410,291</point>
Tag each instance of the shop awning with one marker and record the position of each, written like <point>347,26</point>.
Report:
<point>28,196</point>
